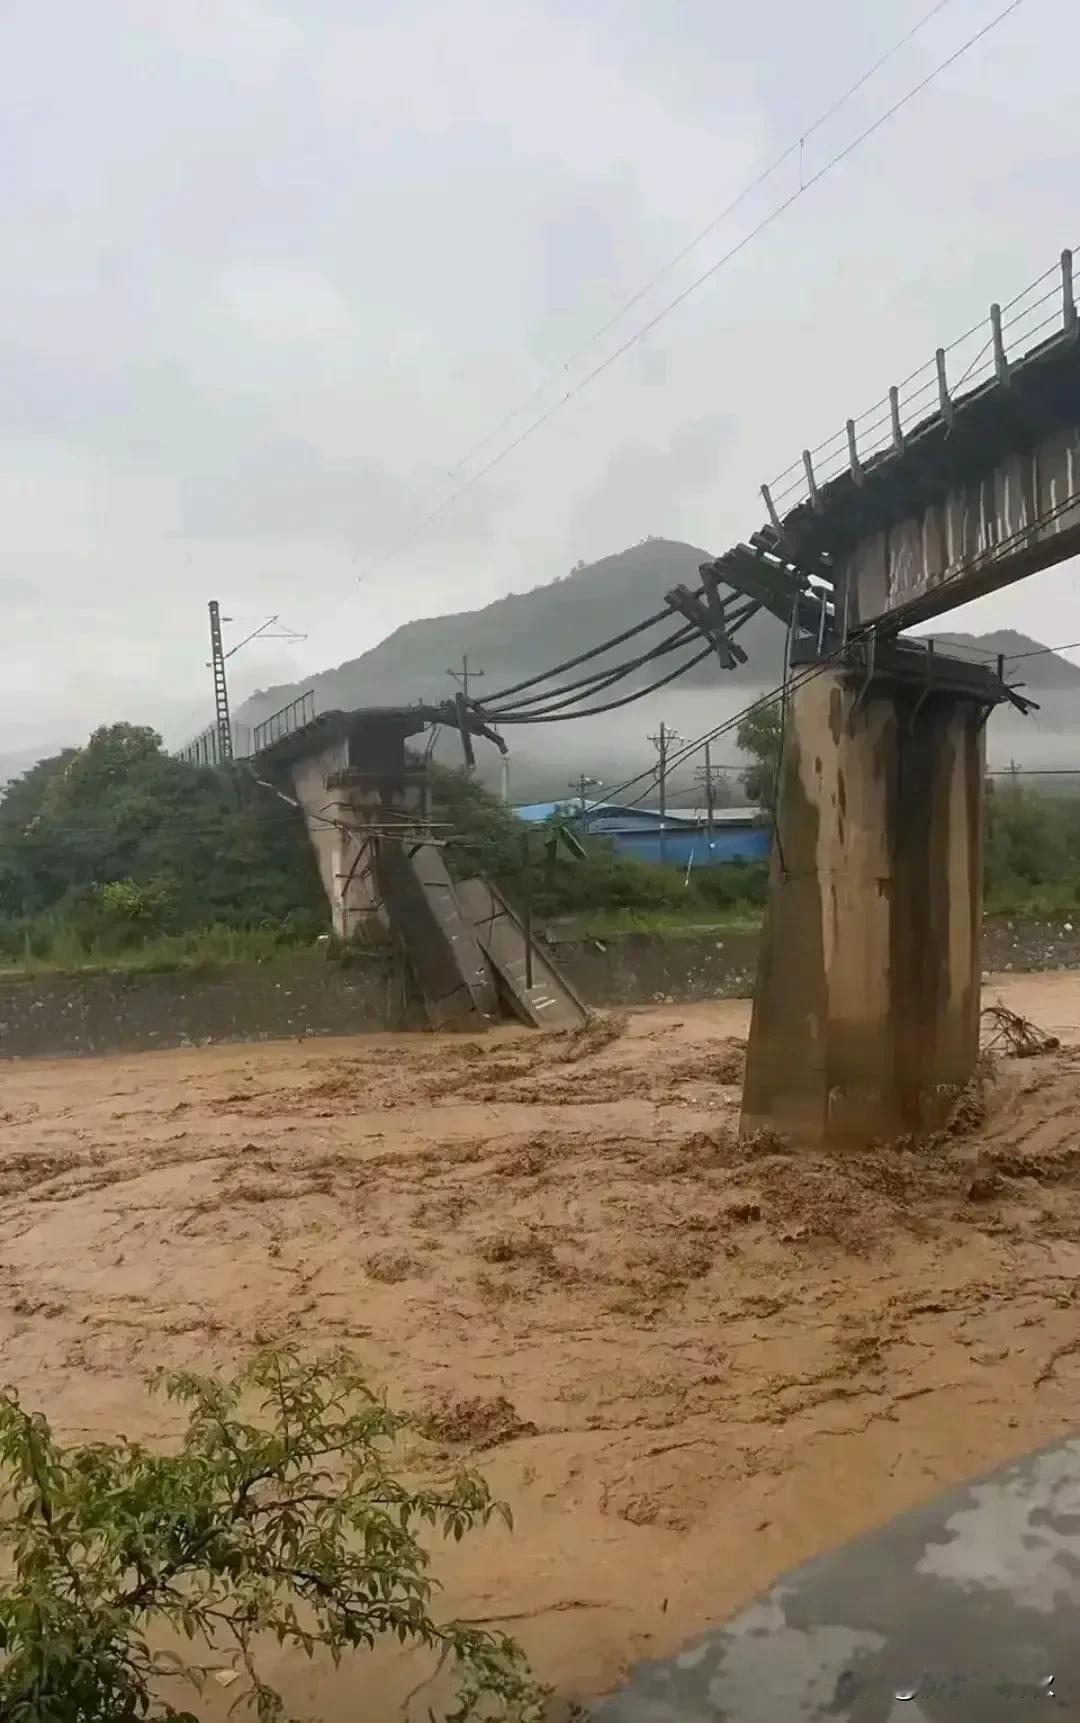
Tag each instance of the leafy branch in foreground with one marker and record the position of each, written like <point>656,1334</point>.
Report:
<point>292,1525</point>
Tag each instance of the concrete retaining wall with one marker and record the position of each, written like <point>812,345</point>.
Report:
<point>129,1012</point>
<point>59,1015</point>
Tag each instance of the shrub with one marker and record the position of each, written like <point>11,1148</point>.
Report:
<point>292,1524</point>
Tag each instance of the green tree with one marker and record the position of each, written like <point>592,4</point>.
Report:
<point>761,735</point>
<point>208,847</point>
<point>485,835</point>
<point>291,1523</point>
<point>561,875</point>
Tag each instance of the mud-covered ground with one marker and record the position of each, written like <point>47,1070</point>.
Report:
<point>687,1363</point>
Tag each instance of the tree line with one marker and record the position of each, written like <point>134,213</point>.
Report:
<point>119,843</point>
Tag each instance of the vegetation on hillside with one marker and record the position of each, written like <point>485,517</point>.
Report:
<point>281,1520</point>
<point>1032,859</point>
<point>105,847</point>
<point>761,736</point>
<point>534,863</point>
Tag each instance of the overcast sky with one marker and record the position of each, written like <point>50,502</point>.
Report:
<point>272,267</point>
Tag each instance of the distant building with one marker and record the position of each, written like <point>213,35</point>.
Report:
<point>738,834</point>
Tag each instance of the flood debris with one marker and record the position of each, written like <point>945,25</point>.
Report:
<point>1015,1036</point>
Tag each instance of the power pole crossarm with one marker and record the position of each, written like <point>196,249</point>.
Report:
<point>464,675</point>
<point>583,783</point>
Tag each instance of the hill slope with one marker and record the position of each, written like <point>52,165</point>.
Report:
<point>1029,662</point>
<point>528,632</point>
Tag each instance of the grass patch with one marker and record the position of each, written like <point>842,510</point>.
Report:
<point>661,923</point>
<point>202,951</point>
<point>1058,898</point>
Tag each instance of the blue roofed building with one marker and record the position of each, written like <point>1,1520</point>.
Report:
<point>681,837</point>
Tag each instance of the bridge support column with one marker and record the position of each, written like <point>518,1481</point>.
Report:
<point>354,780</point>
<point>866,1010</point>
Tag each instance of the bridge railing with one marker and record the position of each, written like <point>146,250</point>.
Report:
<point>288,718</point>
<point>1044,308</point>
<point>204,749</point>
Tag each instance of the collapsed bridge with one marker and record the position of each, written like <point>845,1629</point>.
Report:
<point>866,1009</point>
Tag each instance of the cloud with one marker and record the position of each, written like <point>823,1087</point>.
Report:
<point>292,492</point>
<point>15,590</point>
<point>644,488</point>
<point>272,266</point>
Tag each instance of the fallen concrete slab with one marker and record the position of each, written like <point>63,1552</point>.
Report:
<point>534,986</point>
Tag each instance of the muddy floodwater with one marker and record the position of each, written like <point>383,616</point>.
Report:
<point>687,1363</point>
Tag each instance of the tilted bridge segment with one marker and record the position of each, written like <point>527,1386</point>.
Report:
<point>961,480</point>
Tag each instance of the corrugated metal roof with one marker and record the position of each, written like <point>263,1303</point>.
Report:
<point>741,816</point>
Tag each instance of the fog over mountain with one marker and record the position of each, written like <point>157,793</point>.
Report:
<point>526,633</point>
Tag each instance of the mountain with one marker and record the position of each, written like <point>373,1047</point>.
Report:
<point>528,632</point>
<point>1029,663</point>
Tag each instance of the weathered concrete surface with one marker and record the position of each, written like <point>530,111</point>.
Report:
<point>866,1009</point>
<point>987,530</point>
<point>533,983</point>
<point>353,780</point>
<point>438,940</point>
<point>649,969</point>
<point>965,1610</point>
<point>59,1015</point>
<point>347,883</point>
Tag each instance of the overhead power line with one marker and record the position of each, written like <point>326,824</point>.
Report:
<point>662,615</point>
<point>552,717</point>
<point>517,710</point>
<point>795,148</point>
<point>1041,651</point>
<point>680,298</point>
<point>1009,657</point>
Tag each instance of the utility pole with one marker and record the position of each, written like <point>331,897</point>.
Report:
<point>708,794</point>
<point>707,777</point>
<point>221,689</point>
<point>582,783</point>
<point>662,742</point>
<point>464,674</point>
<point>220,732</point>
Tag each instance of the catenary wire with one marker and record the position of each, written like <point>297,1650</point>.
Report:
<point>583,657</point>
<point>603,678</point>
<point>680,298</point>
<point>593,684</point>
<point>554,717</point>
<point>752,185</point>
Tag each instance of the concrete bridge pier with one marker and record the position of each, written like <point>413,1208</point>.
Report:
<point>364,798</point>
<point>866,1010</point>
<point>353,780</point>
